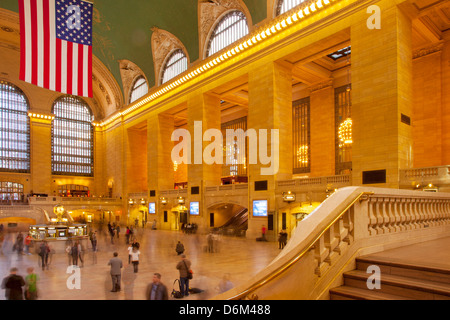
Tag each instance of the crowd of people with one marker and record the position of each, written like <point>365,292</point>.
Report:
<point>18,287</point>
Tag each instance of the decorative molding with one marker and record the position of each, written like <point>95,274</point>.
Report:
<point>129,71</point>
<point>164,43</point>
<point>209,14</point>
<point>422,52</point>
<point>321,85</point>
<point>106,89</point>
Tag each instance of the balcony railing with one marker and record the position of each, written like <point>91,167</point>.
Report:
<point>420,177</point>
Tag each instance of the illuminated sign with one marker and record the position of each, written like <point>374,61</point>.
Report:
<point>194,208</point>
<point>151,207</point>
<point>260,208</point>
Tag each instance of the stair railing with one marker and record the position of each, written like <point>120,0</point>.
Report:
<point>342,224</point>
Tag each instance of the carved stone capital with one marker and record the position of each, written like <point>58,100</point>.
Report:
<point>422,52</point>
<point>321,85</point>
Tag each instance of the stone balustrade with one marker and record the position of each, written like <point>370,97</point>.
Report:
<point>354,221</point>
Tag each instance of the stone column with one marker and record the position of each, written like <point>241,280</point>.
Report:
<point>270,107</point>
<point>160,166</point>
<point>322,129</point>
<point>381,92</point>
<point>203,109</point>
<point>203,114</point>
<point>41,153</point>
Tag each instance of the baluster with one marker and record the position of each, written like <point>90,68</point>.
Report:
<point>348,224</point>
<point>426,213</point>
<point>415,213</point>
<point>393,215</point>
<point>432,211</point>
<point>321,253</point>
<point>399,213</point>
<point>372,217</point>
<point>421,212</point>
<point>439,209</point>
<point>331,241</point>
<point>407,213</point>
<point>341,234</point>
<point>384,216</point>
<point>446,211</point>
<point>379,215</point>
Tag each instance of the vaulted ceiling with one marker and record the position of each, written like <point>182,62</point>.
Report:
<point>122,28</point>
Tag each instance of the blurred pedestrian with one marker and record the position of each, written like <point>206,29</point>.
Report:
<point>179,248</point>
<point>225,284</point>
<point>31,292</point>
<point>282,239</point>
<point>80,252</point>
<point>19,243</point>
<point>13,285</point>
<point>127,235</point>
<point>117,231</point>
<point>157,290</point>
<point>116,272</point>
<point>27,242</point>
<point>135,259</point>
<point>69,253</point>
<point>75,254</point>
<point>44,251</point>
<point>94,241</point>
<point>184,267</point>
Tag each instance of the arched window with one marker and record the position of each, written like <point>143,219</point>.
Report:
<point>176,64</point>
<point>14,129</point>
<point>140,89</point>
<point>230,28</point>
<point>72,137</point>
<point>286,5</point>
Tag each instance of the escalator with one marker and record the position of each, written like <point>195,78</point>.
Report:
<point>237,225</point>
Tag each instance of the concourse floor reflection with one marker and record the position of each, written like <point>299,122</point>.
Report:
<point>233,259</point>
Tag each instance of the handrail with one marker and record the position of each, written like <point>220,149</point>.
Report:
<point>289,264</point>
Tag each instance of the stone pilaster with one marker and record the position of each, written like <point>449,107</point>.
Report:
<point>381,93</point>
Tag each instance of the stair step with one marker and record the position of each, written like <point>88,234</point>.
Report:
<point>352,293</point>
<point>402,286</point>
<point>415,271</point>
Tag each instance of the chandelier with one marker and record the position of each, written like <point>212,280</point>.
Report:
<point>345,133</point>
<point>302,154</point>
<point>175,166</point>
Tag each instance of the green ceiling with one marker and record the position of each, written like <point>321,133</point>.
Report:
<point>123,28</point>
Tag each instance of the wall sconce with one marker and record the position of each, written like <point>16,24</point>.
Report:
<point>143,201</point>
<point>180,200</point>
<point>288,196</point>
<point>130,202</point>
<point>163,200</point>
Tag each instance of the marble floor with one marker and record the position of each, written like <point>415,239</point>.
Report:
<point>238,257</point>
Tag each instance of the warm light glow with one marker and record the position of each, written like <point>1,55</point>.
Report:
<point>345,133</point>
<point>302,154</point>
<point>258,37</point>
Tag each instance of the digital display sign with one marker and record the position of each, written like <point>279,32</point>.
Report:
<point>194,208</point>
<point>151,208</point>
<point>260,208</point>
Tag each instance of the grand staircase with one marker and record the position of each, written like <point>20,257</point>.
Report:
<point>398,281</point>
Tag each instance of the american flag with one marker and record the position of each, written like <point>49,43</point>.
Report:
<point>56,45</point>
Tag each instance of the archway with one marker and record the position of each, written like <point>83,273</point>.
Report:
<point>228,218</point>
